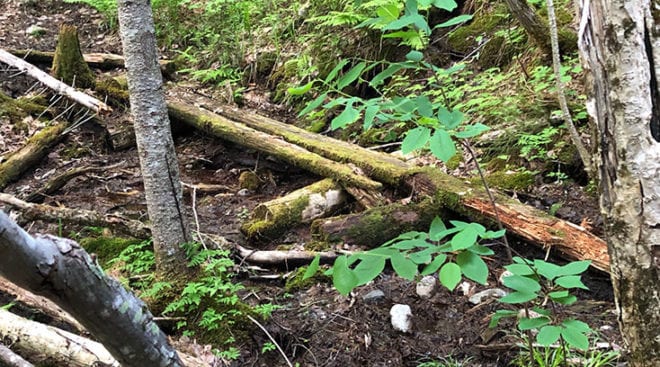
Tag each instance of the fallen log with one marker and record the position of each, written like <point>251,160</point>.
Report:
<point>375,226</point>
<point>272,218</point>
<point>240,134</point>
<point>96,60</point>
<point>44,305</point>
<point>60,180</point>
<point>284,259</point>
<point>117,223</point>
<point>54,84</point>
<point>10,359</point>
<point>34,150</point>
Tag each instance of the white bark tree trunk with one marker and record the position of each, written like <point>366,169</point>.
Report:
<point>62,271</point>
<point>158,161</point>
<point>620,47</point>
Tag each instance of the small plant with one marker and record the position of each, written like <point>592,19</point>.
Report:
<point>542,288</point>
<point>267,347</point>
<point>452,258</point>
<point>535,146</point>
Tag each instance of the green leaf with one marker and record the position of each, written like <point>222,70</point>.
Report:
<point>518,297</point>
<point>450,119</point>
<point>558,294</point>
<point>481,250</point>
<point>423,256</point>
<point>492,234</point>
<point>455,20</point>
<point>415,139</point>
<point>534,323</point>
<point>351,75</point>
<point>424,106</point>
<point>548,335</point>
<point>313,104</point>
<point>437,226</point>
<point>467,237</point>
<point>521,284</point>
<point>300,90</point>
<point>312,268</point>
<point>520,269</point>
<point>568,300</point>
<point>435,264</point>
<point>414,56</point>
<point>369,115</point>
<point>577,325</point>
<point>450,275</point>
<point>342,277</point>
<point>333,73</point>
<point>500,314</point>
<point>348,116</point>
<point>575,338</point>
<point>570,281</point>
<point>369,268</point>
<point>442,146</point>
<point>574,268</point>
<point>379,78</point>
<point>447,5</point>
<point>470,131</point>
<point>404,267</point>
<point>473,266</point>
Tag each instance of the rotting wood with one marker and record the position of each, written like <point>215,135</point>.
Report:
<point>62,179</point>
<point>68,63</point>
<point>284,259</point>
<point>367,198</point>
<point>10,359</point>
<point>101,61</point>
<point>240,134</point>
<point>42,304</point>
<point>54,84</point>
<point>116,223</point>
<point>34,150</point>
<point>272,218</point>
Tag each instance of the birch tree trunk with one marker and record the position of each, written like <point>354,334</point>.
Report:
<point>620,47</point>
<point>60,270</point>
<point>160,171</point>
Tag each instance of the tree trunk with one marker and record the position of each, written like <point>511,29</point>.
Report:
<point>158,160</point>
<point>534,25</point>
<point>620,47</point>
<point>61,270</point>
<point>68,63</point>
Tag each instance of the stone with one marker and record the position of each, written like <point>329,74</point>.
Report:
<point>401,318</point>
<point>426,286</point>
<point>375,296</point>
<point>478,298</point>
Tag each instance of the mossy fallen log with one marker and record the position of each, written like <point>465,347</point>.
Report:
<point>34,150</point>
<point>272,218</point>
<point>238,133</point>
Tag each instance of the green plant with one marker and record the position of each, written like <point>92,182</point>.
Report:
<point>535,146</point>
<point>452,258</point>
<point>267,347</point>
<point>447,362</point>
<point>544,288</point>
<point>137,261</point>
<point>555,357</point>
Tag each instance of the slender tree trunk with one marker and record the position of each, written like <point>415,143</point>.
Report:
<point>158,160</point>
<point>620,47</point>
<point>534,25</point>
<point>62,271</point>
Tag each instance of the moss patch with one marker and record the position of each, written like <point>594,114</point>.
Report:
<point>68,63</point>
<point>517,181</point>
<point>107,248</point>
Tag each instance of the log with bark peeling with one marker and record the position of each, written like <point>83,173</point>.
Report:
<point>118,223</point>
<point>240,134</point>
<point>54,84</point>
<point>285,259</point>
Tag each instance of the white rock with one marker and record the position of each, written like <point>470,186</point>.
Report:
<point>465,288</point>
<point>505,274</point>
<point>401,318</point>
<point>488,293</point>
<point>426,286</point>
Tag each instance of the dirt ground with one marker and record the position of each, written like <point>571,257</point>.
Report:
<point>316,326</point>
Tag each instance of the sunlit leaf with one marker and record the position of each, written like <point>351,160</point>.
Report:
<point>442,146</point>
<point>473,266</point>
<point>404,267</point>
<point>434,265</point>
<point>312,268</point>
<point>342,277</point>
<point>415,139</point>
<point>313,104</point>
<point>455,20</point>
<point>548,335</point>
<point>351,75</point>
<point>450,275</point>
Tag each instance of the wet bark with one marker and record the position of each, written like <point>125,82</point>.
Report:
<point>158,161</point>
<point>620,47</point>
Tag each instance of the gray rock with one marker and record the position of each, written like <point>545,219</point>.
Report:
<point>35,30</point>
<point>374,296</point>
<point>477,298</point>
<point>401,318</point>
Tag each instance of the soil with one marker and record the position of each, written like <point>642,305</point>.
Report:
<point>315,326</point>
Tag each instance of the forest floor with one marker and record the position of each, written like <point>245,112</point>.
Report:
<point>315,326</point>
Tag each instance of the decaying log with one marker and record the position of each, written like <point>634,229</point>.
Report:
<point>272,218</point>
<point>42,304</point>
<point>284,259</point>
<point>96,60</point>
<point>379,166</point>
<point>10,359</point>
<point>54,84</point>
<point>524,221</point>
<point>367,198</point>
<point>68,63</point>
<point>375,226</point>
<point>60,180</point>
<point>115,222</point>
<point>240,134</point>
<point>34,150</point>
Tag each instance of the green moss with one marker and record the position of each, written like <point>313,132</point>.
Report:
<point>107,248</point>
<point>509,180</point>
<point>248,180</point>
<point>75,152</point>
<point>454,162</point>
<point>117,95</point>
<point>68,63</point>
<point>485,21</point>
<point>295,282</point>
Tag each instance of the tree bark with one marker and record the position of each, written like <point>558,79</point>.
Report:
<point>534,25</point>
<point>68,63</point>
<point>620,47</point>
<point>158,161</point>
<point>62,271</point>
<point>10,359</point>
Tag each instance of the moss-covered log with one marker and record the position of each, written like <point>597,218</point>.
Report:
<point>381,167</point>
<point>31,153</point>
<point>272,218</point>
<point>68,63</point>
<point>375,226</point>
<point>245,136</point>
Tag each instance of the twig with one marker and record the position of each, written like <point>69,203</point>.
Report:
<point>271,339</point>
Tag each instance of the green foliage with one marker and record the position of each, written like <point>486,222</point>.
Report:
<point>137,261</point>
<point>556,357</point>
<point>452,253</point>
<point>544,287</point>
